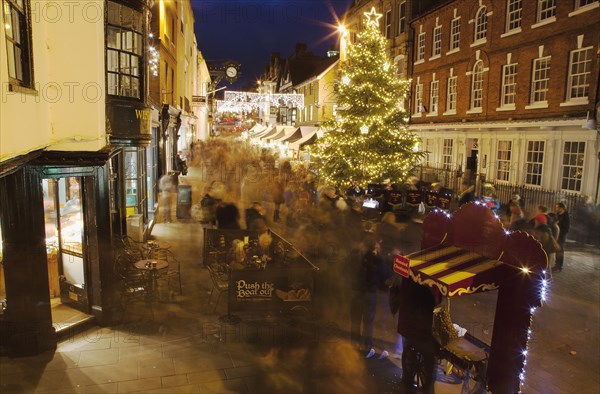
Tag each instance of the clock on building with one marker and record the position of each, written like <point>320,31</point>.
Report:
<point>231,71</point>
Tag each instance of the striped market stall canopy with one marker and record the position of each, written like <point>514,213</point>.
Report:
<point>453,270</point>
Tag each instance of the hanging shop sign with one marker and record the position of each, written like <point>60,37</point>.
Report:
<point>128,121</point>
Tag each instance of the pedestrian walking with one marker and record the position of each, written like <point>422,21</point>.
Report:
<point>415,320</point>
<point>166,186</point>
<point>371,274</point>
<point>277,194</point>
<point>564,223</point>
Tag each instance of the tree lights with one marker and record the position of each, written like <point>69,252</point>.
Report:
<point>368,140</point>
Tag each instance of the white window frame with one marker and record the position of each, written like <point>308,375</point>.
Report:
<point>421,47</point>
<point>434,97</point>
<point>508,88</point>
<point>514,14</point>
<point>582,6</point>
<point>578,78</point>
<point>454,35</point>
<point>418,100</point>
<point>481,26</point>
<point>504,154</point>
<point>436,48</point>
<point>388,24</point>
<point>540,77</point>
<point>402,17</point>
<point>451,95</point>
<point>572,166</point>
<point>476,100</point>
<point>534,162</point>
<point>429,142</point>
<point>546,12</point>
<point>447,153</point>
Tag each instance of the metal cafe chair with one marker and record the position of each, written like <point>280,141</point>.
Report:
<point>173,271</point>
<point>133,282</point>
<point>220,283</point>
<point>132,247</point>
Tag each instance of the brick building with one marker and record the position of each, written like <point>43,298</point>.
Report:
<point>507,91</point>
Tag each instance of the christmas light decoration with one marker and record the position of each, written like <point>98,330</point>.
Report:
<point>368,140</point>
<point>247,101</point>
<point>153,56</point>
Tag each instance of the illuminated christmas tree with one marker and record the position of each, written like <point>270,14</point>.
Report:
<point>368,140</point>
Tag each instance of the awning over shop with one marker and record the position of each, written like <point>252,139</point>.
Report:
<point>453,270</point>
<point>263,132</point>
<point>309,136</point>
<point>295,136</point>
<point>269,133</point>
<point>284,132</point>
<point>256,129</point>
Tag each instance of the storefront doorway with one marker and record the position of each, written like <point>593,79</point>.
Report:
<point>65,218</point>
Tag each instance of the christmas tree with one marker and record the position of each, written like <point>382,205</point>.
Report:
<point>368,140</point>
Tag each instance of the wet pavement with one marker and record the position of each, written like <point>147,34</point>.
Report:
<point>186,348</point>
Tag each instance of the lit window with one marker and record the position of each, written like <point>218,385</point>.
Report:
<point>504,151</point>
<point>477,85</point>
<point>481,24</point>
<point>437,41</point>
<point>447,154</point>
<point>451,95</point>
<point>509,85</point>
<point>124,49</point>
<point>428,149</point>
<point>434,96</point>
<point>402,17</point>
<point>580,67</point>
<point>539,80</point>
<point>546,9</point>
<point>418,98</point>
<point>18,42</point>
<point>455,33</point>
<point>572,166</point>
<point>421,47</point>
<point>514,9</point>
<point>534,163</point>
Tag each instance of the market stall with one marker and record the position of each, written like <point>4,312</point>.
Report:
<point>470,252</point>
<point>262,272</point>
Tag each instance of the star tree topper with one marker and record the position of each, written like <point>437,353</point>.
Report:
<point>373,17</point>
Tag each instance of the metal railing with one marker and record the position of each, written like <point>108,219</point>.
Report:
<point>581,225</point>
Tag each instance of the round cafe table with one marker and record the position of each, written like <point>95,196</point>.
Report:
<point>151,266</point>
<point>148,264</point>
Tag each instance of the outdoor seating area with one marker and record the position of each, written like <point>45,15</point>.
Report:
<point>148,272</point>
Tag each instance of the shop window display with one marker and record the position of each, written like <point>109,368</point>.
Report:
<point>64,232</point>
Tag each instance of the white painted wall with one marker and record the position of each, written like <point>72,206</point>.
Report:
<point>554,137</point>
<point>67,109</point>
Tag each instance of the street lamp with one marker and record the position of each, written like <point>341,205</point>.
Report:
<point>343,34</point>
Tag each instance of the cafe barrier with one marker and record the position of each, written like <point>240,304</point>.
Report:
<point>265,272</point>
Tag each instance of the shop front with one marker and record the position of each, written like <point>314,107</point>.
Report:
<point>56,255</point>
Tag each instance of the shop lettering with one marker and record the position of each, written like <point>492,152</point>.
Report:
<point>141,114</point>
<point>254,289</point>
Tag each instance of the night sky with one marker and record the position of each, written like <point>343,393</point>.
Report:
<point>248,31</point>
